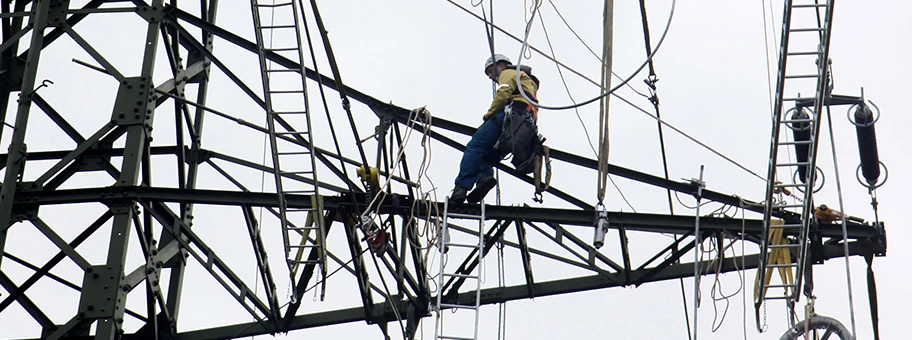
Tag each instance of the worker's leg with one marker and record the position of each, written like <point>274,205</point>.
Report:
<point>474,164</point>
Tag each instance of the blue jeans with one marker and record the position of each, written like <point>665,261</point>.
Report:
<point>479,157</point>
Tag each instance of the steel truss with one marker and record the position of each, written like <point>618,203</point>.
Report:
<point>160,218</point>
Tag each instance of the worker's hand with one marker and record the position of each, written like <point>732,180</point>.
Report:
<point>486,117</point>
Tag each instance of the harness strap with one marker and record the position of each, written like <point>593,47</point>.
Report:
<point>537,174</point>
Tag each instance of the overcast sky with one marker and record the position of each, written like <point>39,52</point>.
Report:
<point>715,69</point>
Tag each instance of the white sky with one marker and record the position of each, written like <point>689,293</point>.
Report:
<point>713,70</point>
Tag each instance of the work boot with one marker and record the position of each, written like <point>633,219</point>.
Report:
<point>458,195</point>
<point>484,185</point>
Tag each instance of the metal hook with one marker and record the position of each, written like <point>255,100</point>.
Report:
<point>44,83</point>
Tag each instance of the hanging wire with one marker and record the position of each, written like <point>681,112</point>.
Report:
<point>340,87</point>
<point>845,238</point>
<point>576,110</point>
<point>604,94</point>
<point>769,72</point>
<point>638,108</point>
<point>501,280</point>
<point>743,268</point>
<point>389,295</point>
<point>587,47</point>
<point>566,87</point>
<point>320,86</point>
<point>605,78</point>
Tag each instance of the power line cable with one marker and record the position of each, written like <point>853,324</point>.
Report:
<point>654,98</point>
<point>561,16</point>
<point>332,128</point>
<point>614,94</point>
<point>346,104</point>
<point>576,110</point>
<point>845,238</point>
<point>605,94</point>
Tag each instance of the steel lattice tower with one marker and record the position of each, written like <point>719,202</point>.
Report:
<point>135,118</point>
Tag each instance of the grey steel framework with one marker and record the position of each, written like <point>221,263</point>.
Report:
<point>159,218</point>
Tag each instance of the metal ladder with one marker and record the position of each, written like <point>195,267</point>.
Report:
<point>803,67</point>
<point>289,123</point>
<point>446,245</point>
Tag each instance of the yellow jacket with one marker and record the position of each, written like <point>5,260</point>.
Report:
<point>506,86</point>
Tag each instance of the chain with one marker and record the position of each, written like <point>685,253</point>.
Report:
<point>288,294</point>
<point>764,327</point>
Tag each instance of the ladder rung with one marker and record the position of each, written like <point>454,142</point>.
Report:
<point>302,228</point>
<point>449,305</point>
<point>792,265</point>
<point>785,226</point>
<point>276,26</point>
<point>291,133</point>
<point>804,53</point>
<point>781,246</point>
<point>803,142</point>
<point>293,153</point>
<point>289,112</point>
<point>304,246</point>
<point>781,286</point>
<point>809,6</point>
<point>789,185</point>
<point>303,261</point>
<point>778,297</point>
<point>299,192</point>
<point>273,5</point>
<point>454,337</point>
<point>794,76</point>
<point>796,98</point>
<point>279,49</point>
<point>281,70</point>
<point>809,29</point>
<point>464,245</point>
<point>296,173</point>
<point>464,276</point>
<point>286,91</point>
<point>793,164</point>
<point>466,216</point>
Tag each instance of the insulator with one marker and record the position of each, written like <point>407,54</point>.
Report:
<point>601,228</point>
<point>867,143</point>
<point>802,133</point>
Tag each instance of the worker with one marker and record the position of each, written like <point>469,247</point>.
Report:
<point>477,166</point>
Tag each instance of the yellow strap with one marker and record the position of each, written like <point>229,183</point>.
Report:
<point>777,256</point>
<point>305,233</point>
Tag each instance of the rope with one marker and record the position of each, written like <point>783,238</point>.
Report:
<point>605,94</point>
<point>845,238</point>
<point>501,307</point>
<point>743,268</point>
<point>608,22</point>
<point>389,295</point>
<point>346,104</point>
<point>651,81</point>
<point>549,57</point>
<point>332,128</point>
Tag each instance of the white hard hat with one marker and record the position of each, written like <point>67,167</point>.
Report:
<point>495,59</point>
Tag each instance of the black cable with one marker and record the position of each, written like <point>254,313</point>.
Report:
<point>654,99</point>
<point>561,16</point>
<point>646,36</point>
<point>332,128</point>
<point>346,104</point>
<point>872,296</point>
